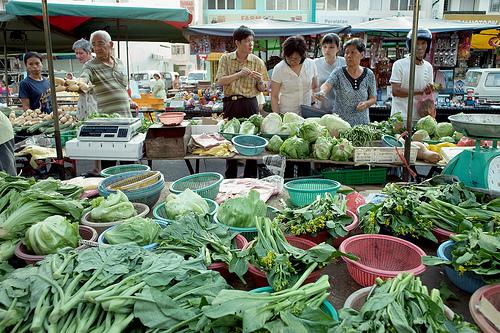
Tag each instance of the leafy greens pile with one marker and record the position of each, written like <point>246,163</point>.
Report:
<point>185,202</point>
<point>52,234</point>
<point>116,207</point>
<point>139,230</point>
<point>240,211</point>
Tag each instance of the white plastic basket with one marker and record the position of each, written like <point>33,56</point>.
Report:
<point>382,155</point>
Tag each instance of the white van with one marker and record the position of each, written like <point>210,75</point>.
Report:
<point>485,84</point>
<point>144,80</point>
<point>195,76</point>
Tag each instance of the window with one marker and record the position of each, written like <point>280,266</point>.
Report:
<point>304,4</point>
<point>220,4</point>
<point>467,5</point>
<point>494,5</point>
<point>401,5</point>
<point>342,5</point>
<point>248,4</point>
<point>354,5</point>
<point>492,80</point>
<point>293,4</point>
<point>446,5</point>
<point>376,4</point>
<point>320,4</point>
<point>472,78</point>
<point>270,4</point>
<point>281,5</point>
<point>331,5</point>
<point>178,49</point>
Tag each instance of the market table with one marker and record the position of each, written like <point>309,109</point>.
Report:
<point>342,285</point>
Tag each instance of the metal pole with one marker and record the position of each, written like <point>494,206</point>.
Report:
<point>118,36</point>
<point>416,8</point>
<point>128,55</point>
<point>50,62</point>
<point>6,62</point>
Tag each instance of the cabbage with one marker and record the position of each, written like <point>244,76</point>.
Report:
<point>334,124</point>
<point>52,234</point>
<point>291,117</point>
<point>240,212</point>
<point>271,124</point>
<point>289,129</point>
<point>256,119</point>
<point>420,135</point>
<point>342,150</point>
<point>247,128</point>
<point>457,136</point>
<point>322,149</point>
<point>295,147</point>
<point>274,144</point>
<point>448,139</point>
<point>310,131</point>
<point>428,124</point>
<point>444,129</point>
<point>232,126</point>
<point>184,203</point>
<point>115,207</point>
<point>139,230</point>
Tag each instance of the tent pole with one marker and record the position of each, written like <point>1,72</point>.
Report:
<point>409,114</point>
<point>118,36</point>
<point>6,68</point>
<point>50,62</point>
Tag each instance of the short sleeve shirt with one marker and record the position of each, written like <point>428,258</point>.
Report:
<point>244,86</point>
<point>110,86</point>
<point>324,70</point>
<point>38,93</point>
<point>295,90</point>
<point>350,92</point>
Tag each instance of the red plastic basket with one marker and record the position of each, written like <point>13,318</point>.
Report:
<point>259,277</point>
<point>492,294</point>
<point>442,235</point>
<point>323,236</point>
<point>381,256</point>
<point>221,267</point>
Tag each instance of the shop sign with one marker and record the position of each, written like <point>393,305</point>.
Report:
<point>473,18</point>
<point>331,17</point>
<point>246,17</point>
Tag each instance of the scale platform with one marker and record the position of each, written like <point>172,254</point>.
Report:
<point>109,129</point>
<point>132,150</point>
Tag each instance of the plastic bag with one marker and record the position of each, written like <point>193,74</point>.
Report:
<point>426,105</point>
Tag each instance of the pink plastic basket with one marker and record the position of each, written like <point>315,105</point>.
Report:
<point>442,235</point>
<point>492,294</point>
<point>322,236</point>
<point>381,256</point>
<point>259,277</point>
<point>221,267</point>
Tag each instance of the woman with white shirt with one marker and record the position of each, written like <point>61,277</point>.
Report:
<point>294,79</point>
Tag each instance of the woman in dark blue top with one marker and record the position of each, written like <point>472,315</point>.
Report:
<point>34,90</point>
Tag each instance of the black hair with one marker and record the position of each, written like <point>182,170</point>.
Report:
<point>331,38</point>
<point>29,55</point>
<point>295,44</point>
<point>356,42</point>
<point>242,32</point>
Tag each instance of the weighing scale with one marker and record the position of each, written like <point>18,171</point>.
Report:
<point>478,168</point>
<point>109,129</point>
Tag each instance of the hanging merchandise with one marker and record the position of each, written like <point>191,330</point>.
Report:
<point>445,53</point>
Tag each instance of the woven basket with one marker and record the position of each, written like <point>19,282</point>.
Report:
<point>206,184</point>
<point>115,170</point>
<point>303,192</point>
<point>381,256</point>
<point>249,145</point>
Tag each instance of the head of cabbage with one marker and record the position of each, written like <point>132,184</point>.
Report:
<point>444,129</point>
<point>322,149</point>
<point>116,207</point>
<point>271,124</point>
<point>247,127</point>
<point>290,117</point>
<point>295,147</point>
<point>420,135</point>
<point>139,230</point>
<point>52,234</point>
<point>334,124</point>
<point>428,124</point>
<point>187,201</point>
<point>232,126</point>
<point>342,150</point>
<point>274,144</point>
<point>311,131</point>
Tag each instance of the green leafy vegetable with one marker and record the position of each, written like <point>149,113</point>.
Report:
<point>247,127</point>
<point>342,150</point>
<point>291,117</point>
<point>240,212</point>
<point>271,124</point>
<point>310,131</point>
<point>184,203</point>
<point>295,147</point>
<point>274,144</point>
<point>427,123</point>
<point>52,234</point>
<point>421,136</point>
<point>116,207</point>
<point>231,126</point>
<point>142,231</point>
<point>444,129</point>
<point>334,124</point>
<point>322,149</point>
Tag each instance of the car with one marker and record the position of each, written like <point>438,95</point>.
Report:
<point>195,76</point>
<point>484,84</point>
<point>183,79</point>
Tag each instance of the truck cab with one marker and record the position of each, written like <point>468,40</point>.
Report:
<point>484,83</point>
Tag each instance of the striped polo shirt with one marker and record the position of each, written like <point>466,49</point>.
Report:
<point>245,86</point>
<point>110,86</point>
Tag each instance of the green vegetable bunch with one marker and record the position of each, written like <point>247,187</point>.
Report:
<point>324,213</point>
<point>475,251</point>
<point>282,262</point>
<point>185,202</point>
<point>138,230</point>
<point>240,211</point>
<point>52,234</point>
<point>399,305</point>
<point>116,207</point>
<point>362,135</point>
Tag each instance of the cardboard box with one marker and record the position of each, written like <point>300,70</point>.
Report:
<point>168,141</point>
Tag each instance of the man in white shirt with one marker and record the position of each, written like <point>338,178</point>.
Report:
<point>400,77</point>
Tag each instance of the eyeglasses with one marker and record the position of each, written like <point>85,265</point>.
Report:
<point>99,43</point>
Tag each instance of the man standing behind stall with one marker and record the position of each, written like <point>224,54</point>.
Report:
<point>108,76</point>
<point>243,75</point>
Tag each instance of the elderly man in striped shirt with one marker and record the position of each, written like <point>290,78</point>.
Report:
<point>108,76</point>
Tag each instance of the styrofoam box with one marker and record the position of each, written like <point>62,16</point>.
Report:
<point>205,126</point>
<point>382,155</point>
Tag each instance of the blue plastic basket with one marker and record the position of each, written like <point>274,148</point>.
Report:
<point>303,192</point>
<point>249,145</point>
<point>249,233</point>
<point>326,306</point>
<point>468,281</point>
<point>206,184</point>
<point>160,213</point>
<point>115,170</point>
<point>102,240</point>
<point>148,195</point>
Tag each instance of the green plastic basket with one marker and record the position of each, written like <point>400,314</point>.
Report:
<point>67,135</point>
<point>357,176</point>
<point>115,170</point>
<point>302,192</point>
<point>206,184</point>
<point>249,233</point>
<point>160,213</point>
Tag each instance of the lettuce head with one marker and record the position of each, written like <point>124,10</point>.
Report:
<point>52,234</point>
<point>177,205</point>
<point>295,147</point>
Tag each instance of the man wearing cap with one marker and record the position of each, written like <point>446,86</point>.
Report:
<point>400,77</point>
<point>243,76</point>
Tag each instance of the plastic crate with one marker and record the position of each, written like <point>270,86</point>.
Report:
<point>357,176</point>
<point>67,135</point>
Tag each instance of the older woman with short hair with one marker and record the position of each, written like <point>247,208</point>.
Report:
<point>294,78</point>
<point>83,50</point>
<point>355,87</point>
